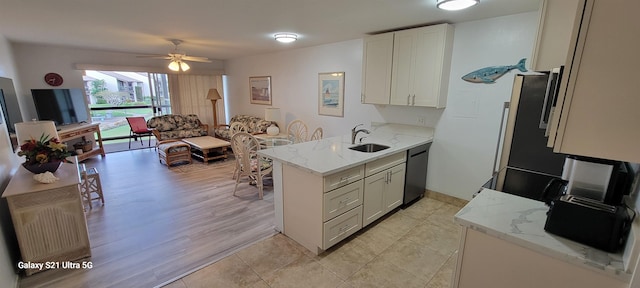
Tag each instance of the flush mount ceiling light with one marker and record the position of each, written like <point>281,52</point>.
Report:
<point>285,37</point>
<point>453,5</point>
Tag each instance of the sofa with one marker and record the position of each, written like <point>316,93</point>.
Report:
<point>255,125</point>
<point>174,126</point>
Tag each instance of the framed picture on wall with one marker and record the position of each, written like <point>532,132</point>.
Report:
<point>331,94</point>
<point>260,89</point>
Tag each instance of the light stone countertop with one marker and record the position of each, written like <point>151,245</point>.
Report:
<point>330,155</point>
<point>521,221</point>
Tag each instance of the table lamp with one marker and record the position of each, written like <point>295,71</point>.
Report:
<point>35,129</point>
<point>272,114</point>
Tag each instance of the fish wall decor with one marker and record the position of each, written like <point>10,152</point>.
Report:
<point>489,75</point>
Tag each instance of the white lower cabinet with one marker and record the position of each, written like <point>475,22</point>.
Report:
<point>336,229</point>
<point>488,261</point>
<point>383,192</point>
<point>320,211</point>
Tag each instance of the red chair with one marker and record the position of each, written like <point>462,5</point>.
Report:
<point>139,128</point>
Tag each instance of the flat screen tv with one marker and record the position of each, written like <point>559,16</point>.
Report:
<point>62,106</point>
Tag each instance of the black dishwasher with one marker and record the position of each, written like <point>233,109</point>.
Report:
<point>416,175</point>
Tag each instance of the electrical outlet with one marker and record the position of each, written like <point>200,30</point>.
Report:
<point>421,120</point>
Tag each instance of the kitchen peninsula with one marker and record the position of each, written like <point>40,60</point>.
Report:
<point>503,244</point>
<point>320,186</point>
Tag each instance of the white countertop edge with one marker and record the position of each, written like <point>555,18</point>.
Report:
<point>607,270</point>
<point>615,270</point>
<point>330,155</point>
<point>371,157</point>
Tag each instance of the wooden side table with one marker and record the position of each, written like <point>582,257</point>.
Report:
<point>75,131</point>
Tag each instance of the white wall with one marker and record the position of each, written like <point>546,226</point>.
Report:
<point>8,165</point>
<point>466,135</point>
<point>461,156</point>
<point>294,83</point>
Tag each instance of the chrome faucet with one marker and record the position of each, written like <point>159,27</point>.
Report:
<point>355,132</point>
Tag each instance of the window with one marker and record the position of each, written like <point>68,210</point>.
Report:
<point>115,95</point>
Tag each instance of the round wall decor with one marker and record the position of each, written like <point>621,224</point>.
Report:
<point>53,79</point>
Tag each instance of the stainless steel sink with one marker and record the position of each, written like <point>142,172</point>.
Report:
<point>369,147</point>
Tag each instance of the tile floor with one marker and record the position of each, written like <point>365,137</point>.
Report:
<point>414,247</point>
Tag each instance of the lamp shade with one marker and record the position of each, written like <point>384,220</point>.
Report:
<point>272,114</point>
<point>35,129</point>
<point>178,65</point>
<point>213,94</point>
<point>174,66</point>
<point>184,66</point>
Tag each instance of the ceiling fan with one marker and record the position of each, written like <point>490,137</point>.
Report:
<point>177,57</point>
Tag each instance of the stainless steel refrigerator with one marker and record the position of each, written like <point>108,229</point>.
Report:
<point>526,163</point>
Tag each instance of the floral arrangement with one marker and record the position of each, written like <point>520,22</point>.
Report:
<point>44,150</point>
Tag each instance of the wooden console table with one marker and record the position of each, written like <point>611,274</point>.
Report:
<point>75,131</point>
<point>48,219</point>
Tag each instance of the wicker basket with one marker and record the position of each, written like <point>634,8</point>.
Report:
<point>85,146</point>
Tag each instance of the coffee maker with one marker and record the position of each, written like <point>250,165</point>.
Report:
<point>586,205</point>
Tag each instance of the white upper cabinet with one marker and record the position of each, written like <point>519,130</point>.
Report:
<point>598,107</point>
<point>376,66</point>
<point>554,33</point>
<point>411,68</point>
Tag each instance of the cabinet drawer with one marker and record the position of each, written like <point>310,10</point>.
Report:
<point>341,227</point>
<point>342,178</point>
<point>342,199</point>
<point>376,166</point>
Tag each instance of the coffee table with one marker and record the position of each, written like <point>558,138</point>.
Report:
<point>207,148</point>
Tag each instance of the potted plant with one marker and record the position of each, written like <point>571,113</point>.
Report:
<point>45,154</point>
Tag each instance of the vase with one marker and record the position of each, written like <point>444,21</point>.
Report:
<point>41,168</point>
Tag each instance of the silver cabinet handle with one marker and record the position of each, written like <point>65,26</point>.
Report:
<point>409,99</point>
<point>414,100</point>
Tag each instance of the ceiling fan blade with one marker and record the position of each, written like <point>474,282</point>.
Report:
<point>196,59</point>
<point>163,57</point>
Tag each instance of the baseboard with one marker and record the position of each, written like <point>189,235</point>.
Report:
<point>445,198</point>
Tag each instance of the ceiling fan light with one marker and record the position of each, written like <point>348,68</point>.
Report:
<point>285,37</point>
<point>453,5</point>
<point>174,66</point>
<point>184,66</point>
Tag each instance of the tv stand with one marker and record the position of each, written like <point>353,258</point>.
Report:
<point>74,131</point>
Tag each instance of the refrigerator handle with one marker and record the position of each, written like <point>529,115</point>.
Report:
<point>505,106</point>
<point>550,98</point>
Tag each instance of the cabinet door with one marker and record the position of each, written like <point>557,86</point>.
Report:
<point>421,61</point>
<point>554,34</point>
<point>395,188</point>
<point>385,163</point>
<point>404,62</point>
<point>373,202</point>
<point>342,178</point>
<point>433,60</point>
<point>599,111</point>
<point>376,68</point>
<point>342,199</point>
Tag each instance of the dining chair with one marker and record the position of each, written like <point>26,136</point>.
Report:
<point>234,128</point>
<point>138,128</point>
<point>316,135</point>
<point>297,131</point>
<point>245,148</point>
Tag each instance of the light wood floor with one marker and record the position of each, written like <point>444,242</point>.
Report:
<point>159,224</point>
